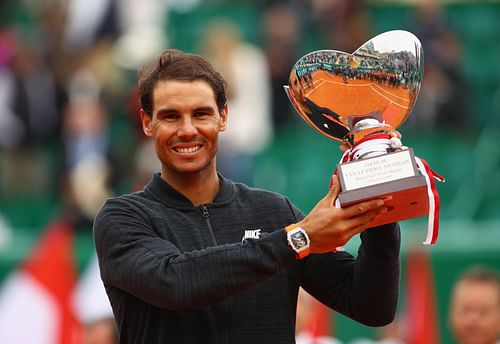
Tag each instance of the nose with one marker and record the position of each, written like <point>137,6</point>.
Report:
<point>186,128</point>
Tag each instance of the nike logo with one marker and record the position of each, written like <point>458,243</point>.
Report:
<point>251,234</point>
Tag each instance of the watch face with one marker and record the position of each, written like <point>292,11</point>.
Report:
<point>298,240</point>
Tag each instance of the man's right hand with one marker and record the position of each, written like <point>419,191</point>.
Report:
<point>329,227</point>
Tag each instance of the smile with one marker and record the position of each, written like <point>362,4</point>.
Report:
<point>187,150</point>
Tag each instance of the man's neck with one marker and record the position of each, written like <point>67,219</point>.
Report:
<point>199,188</point>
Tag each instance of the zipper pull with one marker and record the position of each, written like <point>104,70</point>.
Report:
<point>204,208</point>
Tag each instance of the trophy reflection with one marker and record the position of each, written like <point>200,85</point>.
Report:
<point>360,99</point>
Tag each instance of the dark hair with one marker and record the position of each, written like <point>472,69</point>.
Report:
<point>480,274</point>
<point>177,65</point>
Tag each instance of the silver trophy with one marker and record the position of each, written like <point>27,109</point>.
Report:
<point>360,99</point>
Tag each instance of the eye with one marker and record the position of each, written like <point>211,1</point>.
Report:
<point>168,116</point>
<point>201,114</point>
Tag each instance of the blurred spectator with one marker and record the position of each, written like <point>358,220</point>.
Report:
<point>282,39</point>
<point>85,190</point>
<point>31,99</point>
<point>475,307</point>
<point>140,19</point>
<point>85,120</point>
<point>345,23</point>
<point>443,96</point>
<point>37,96</point>
<point>244,67</point>
<point>145,163</point>
<point>11,126</point>
<point>87,21</point>
<point>5,233</point>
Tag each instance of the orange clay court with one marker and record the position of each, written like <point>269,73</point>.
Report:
<point>358,97</point>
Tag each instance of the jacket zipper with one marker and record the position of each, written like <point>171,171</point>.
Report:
<point>206,215</point>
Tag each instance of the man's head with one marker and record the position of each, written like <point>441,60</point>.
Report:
<point>183,108</point>
<point>475,307</point>
<point>179,66</point>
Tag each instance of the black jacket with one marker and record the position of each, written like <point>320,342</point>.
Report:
<point>176,273</point>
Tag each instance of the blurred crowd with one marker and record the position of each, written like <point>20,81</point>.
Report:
<point>69,128</point>
<point>70,134</point>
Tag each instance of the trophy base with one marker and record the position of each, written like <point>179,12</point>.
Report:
<point>409,199</point>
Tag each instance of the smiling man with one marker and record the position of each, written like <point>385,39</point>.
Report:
<point>197,258</point>
<point>185,128</point>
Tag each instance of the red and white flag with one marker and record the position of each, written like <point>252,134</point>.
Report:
<point>314,321</point>
<point>36,300</point>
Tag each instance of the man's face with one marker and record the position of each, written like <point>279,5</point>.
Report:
<point>185,125</point>
<point>475,313</point>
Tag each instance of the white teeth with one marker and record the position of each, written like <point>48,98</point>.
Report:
<point>187,150</point>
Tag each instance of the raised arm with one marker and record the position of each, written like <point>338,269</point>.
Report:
<point>365,288</point>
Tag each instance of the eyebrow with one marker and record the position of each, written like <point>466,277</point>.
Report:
<point>173,110</point>
<point>205,108</point>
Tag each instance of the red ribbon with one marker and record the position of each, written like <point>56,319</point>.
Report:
<point>434,201</point>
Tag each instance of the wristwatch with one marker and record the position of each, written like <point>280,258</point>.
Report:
<point>298,240</point>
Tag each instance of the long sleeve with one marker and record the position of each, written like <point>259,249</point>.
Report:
<point>365,288</point>
<point>180,273</point>
<point>134,258</point>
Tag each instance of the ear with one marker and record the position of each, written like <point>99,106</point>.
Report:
<point>223,118</point>
<point>147,123</point>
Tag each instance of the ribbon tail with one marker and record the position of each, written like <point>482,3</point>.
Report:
<point>434,201</point>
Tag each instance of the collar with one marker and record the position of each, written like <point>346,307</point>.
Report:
<point>165,193</point>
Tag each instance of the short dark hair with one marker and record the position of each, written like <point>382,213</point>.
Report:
<point>480,274</point>
<point>174,64</point>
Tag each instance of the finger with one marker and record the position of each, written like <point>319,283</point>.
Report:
<point>396,133</point>
<point>365,219</point>
<point>358,229</point>
<point>395,143</point>
<point>334,189</point>
<point>363,207</point>
<point>343,147</point>
<point>353,231</point>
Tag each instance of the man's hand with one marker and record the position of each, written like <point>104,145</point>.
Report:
<point>329,227</point>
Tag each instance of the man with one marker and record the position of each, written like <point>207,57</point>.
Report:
<point>197,258</point>
<point>475,307</point>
